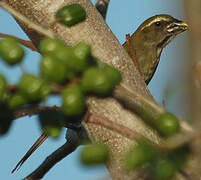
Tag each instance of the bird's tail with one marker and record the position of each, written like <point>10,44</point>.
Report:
<point>38,142</point>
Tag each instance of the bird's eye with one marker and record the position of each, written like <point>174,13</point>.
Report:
<point>158,23</point>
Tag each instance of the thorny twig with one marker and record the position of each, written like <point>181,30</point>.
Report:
<point>51,160</point>
<point>26,43</point>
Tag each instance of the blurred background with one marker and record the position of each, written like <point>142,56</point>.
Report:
<point>169,84</point>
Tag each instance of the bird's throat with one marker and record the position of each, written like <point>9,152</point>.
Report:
<point>165,41</point>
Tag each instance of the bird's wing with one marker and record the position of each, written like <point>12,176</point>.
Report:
<point>150,77</point>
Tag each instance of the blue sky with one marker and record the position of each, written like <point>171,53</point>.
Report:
<point>123,17</point>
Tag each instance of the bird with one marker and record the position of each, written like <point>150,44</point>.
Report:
<point>147,42</point>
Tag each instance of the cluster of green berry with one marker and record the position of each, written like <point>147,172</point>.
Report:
<point>83,74</point>
<point>12,53</point>
<point>142,157</point>
<point>74,69</point>
<point>159,165</point>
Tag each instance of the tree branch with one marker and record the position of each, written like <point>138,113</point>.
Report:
<point>164,145</point>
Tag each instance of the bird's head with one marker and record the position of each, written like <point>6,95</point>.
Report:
<point>160,29</point>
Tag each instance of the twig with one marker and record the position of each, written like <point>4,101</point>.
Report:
<point>32,109</point>
<point>132,52</point>
<point>164,144</point>
<point>113,126</point>
<point>55,88</point>
<point>102,6</point>
<point>143,106</point>
<point>30,24</point>
<point>26,43</point>
<point>136,102</point>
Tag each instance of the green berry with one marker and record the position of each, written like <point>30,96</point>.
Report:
<point>66,55</point>
<point>71,14</point>
<point>94,154</point>
<point>16,101</point>
<point>56,48</point>
<point>62,52</point>
<point>73,101</point>
<point>3,87</point>
<point>179,156</point>
<point>139,155</point>
<point>94,80</point>
<point>113,74</point>
<point>52,131</point>
<point>49,46</point>
<point>167,124</point>
<point>82,52</point>
<point>45,90</point>
<point>33,88</point>
<point>11,51</point>
<point>52,69</point>
<point>70,74</point>
<point>164,169</point>
<point>51,122</point>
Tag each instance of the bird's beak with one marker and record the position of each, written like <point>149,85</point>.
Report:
<point>177,27</point>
